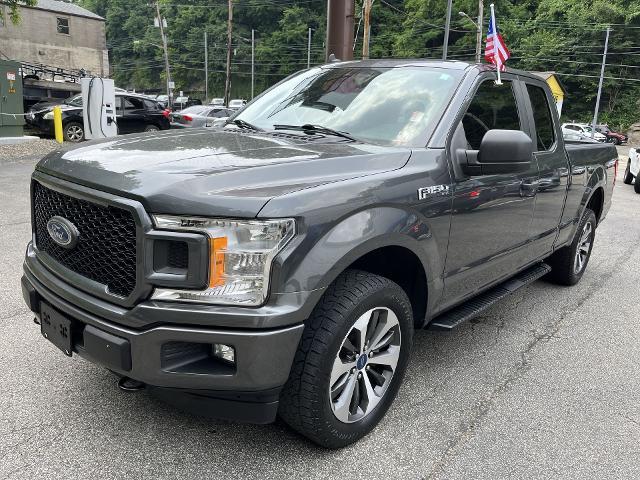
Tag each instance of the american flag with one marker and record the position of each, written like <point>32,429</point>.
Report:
<point>496,51</point>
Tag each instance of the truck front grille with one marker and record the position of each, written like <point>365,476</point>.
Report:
<point>106,247</point>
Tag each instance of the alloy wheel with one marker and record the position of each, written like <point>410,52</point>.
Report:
<point>584,248</point>
<point>74,133</point>
<point>365,364</point>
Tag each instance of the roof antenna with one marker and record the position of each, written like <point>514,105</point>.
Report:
<point>333,58</point>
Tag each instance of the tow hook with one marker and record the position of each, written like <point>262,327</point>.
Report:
<point>130,385</point>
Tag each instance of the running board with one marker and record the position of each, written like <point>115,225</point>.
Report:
<point>479,304</point>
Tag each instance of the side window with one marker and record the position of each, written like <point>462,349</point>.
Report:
<point>494,106</point>
<point>149,105</point>
<point>545,133</point>
<point>132,103</point>
<point>62,25</point>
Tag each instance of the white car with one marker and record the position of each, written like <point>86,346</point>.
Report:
<point>633,169</point>
<point>583,130</point>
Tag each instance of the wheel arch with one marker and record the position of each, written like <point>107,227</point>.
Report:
<point>388,241</point>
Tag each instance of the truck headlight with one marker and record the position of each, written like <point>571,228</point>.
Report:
<point>48,116</point>
<point>240,256</point>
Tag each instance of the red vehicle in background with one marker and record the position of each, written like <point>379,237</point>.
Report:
<point>612,137</point>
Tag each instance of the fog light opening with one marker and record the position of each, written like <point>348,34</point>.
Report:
<point>224,352</point>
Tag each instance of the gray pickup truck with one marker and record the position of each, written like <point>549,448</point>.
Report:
<point>281,264</point>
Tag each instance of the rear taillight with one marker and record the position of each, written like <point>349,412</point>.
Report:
<point>188,118</point>
<point>166,112</point>
<point>615,171</point>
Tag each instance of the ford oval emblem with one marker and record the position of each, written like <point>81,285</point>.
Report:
<point>63,232</point>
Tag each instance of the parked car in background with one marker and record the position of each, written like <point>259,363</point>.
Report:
<point>612,137</point>
<point>237,104</point>
<point>181,103</point>
<point>217,102</point>
<point>632,171</point>
<point>198,116</point>
<point>577,137</point>
<point>583,129</point>
<point>44,107</point>
<point>134,113</point>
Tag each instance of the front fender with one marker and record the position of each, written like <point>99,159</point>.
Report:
<point>330,252</point>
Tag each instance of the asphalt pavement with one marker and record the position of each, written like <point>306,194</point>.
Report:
<point>546,384</point>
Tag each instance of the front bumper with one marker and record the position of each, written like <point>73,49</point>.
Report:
<point>247,391</point>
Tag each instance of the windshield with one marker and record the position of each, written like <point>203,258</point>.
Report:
<point>388,106</point>
<point>76,101</point>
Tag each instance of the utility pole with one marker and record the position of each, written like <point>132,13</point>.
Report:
<point>166,56</point>
<point>479,33</point>
<point>447,25</point>
<point>206,69</point>
<point>227,83</point>
<point>253,62</point>
<point>367,30</point>
<point>309,49</point>
<point>604,62</point>
<point>340,29</point>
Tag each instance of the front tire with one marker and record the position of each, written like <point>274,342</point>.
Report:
<point>636,185</point>
<point>569,263</point>
<point>73,132</point>
<point>351,360</point>
<point>628,177</point>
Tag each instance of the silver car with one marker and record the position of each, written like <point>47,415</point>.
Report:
<point>199,116</point>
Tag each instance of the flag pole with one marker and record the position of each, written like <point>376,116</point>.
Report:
<point>495,41</point>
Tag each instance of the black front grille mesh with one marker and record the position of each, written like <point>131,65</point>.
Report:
<point>106,248</point>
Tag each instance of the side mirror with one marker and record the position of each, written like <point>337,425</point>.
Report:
<point>501,151</point>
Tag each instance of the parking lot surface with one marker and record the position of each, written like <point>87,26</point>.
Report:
<point>546,384</point>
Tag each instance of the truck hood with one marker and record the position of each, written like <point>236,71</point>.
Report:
<point>209,172</point>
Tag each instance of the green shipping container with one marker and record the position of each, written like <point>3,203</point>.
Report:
<point>11,107</point>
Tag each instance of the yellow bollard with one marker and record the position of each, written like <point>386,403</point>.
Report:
<point>57,123</point>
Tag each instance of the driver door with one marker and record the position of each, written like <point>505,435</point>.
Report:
<point>491,214</point>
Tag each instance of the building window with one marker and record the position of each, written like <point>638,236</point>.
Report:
<point>63,25</point>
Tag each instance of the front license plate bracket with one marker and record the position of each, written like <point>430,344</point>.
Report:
<point>56,328</point>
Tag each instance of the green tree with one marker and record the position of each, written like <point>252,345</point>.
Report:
<point>14,13</point>
<point>565,36</point>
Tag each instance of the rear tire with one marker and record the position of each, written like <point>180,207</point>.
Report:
<point>569,263</point>
<point>628,177</point>
<point>151,128</point>
<point>332,382</point>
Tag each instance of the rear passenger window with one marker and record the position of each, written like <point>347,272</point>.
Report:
<point>149,105</point>
<point>494,106</point>
<point>545,134</point>
<point>133,103</point>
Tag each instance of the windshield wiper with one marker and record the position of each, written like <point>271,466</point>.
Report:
<point>238,122</point>
<point>309,128</point>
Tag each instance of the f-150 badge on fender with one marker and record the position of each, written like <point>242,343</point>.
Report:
<point>424,192</point>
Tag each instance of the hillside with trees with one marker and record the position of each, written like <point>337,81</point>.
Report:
<point>565,36</point>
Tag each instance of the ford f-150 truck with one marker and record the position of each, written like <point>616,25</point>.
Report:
<point>280,264</point>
